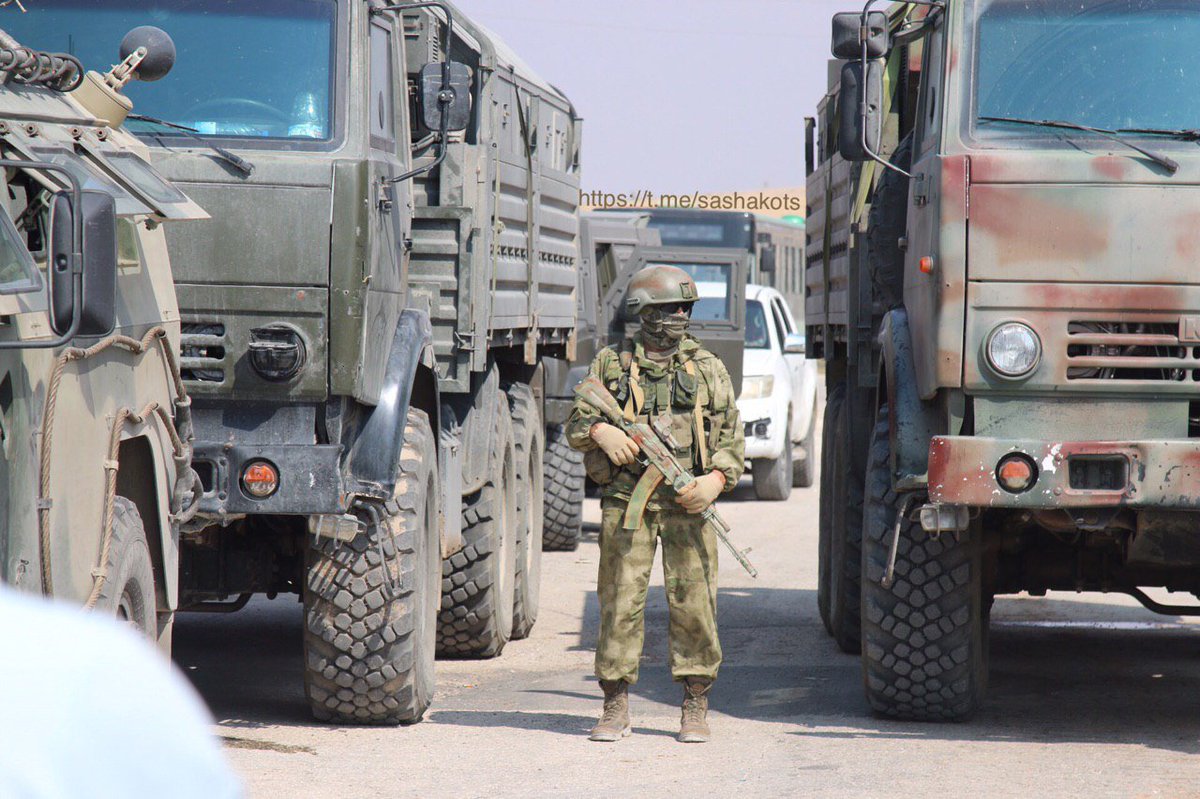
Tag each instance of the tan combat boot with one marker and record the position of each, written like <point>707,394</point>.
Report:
<point>614,721</point>
<point>693,724</point>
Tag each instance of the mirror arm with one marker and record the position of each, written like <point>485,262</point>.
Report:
<point>865,35</point>
<point>76,257</point>
<point>444,94</point>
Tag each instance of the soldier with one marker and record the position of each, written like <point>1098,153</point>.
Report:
<point>661,372</point>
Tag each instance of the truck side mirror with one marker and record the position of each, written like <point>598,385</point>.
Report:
<point>847,35</point>
<point>795,344</point>
<point>456,100</point>
<point>860,124</point>
<point>98,300</point>
<point>766,260</point>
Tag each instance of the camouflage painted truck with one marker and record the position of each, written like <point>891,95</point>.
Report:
<point>392,252</point>
<point>1002,283</point>
<point>95,449</point>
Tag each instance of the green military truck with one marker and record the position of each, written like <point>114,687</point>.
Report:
<point>95,441</point>
<point>1002,285</point>
<point>392,252</point>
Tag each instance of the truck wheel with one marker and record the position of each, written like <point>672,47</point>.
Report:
<point>370,605</point>
<point>925,638</point>
<point>845,539</point>
<point>528,447</point>
<point>773,477</point>
<point>565,485</point>
<point>833,407</point>
<point>476,619</point>
<point>128,589</point>
<point>804,468</point>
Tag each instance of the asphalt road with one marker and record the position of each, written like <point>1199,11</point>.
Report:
<point>1090,696</point>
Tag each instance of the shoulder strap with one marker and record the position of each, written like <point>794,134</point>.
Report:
<point>637,397</point>
<point>689,366</point>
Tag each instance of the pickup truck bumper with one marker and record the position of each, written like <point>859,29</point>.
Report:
<point>1067,474</point>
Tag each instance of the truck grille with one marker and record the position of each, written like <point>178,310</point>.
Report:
<point>202,348</point>
<point>1141,351</point>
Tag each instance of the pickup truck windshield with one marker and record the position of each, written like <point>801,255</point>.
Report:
<point>258,70</point>
<point>1117,64</point>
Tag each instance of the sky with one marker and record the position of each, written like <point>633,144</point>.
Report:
<point>679,95</point>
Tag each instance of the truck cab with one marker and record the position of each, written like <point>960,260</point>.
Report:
<point>1003,197</point>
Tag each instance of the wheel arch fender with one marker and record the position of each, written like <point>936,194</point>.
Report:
<point>144,478</point>
<point>913,421</point>
<point>410,379</point>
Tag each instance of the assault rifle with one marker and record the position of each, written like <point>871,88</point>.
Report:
<point>657,445</point>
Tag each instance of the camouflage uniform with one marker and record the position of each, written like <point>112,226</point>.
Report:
<point>689,548</point>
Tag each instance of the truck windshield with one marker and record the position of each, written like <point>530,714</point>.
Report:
<point>1116,64</point>
<point>715,283</point>
<point>260,69</point>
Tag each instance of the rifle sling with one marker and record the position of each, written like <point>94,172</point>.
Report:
<point>649,482</point>
<point>698,422</point>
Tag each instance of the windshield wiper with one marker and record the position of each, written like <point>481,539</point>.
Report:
<point>1187,134</point>
<point>237,162</point>
<point>1166,163</point>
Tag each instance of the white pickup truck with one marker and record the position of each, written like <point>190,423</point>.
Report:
<point>778,398</point>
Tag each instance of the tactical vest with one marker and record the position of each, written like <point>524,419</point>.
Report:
<point>676,393</point>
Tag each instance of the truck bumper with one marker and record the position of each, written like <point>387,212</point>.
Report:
<point>310,479</point>
<point>1067,474</point>
<point>765,422</point>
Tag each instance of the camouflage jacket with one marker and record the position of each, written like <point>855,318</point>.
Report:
<point>667,389</point>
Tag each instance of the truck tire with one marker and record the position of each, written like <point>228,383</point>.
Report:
<point>128,589</point>
<point>887,225</point>
<point>370,605</point>
<point>925,638</point>
<point>528,447</point>
<point>804,469</point>
<point>833,407</point>
<point>773,476</point>
<point>476,619</point>
<point>565,485</point>
<point>845,539</point>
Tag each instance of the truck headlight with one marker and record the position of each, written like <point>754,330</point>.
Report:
<point>1013,349</point>
<point>757,387</point>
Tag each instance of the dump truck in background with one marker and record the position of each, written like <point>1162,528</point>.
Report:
<point>392,252</point>
<point>95,435</point>
<point>1002,284</point>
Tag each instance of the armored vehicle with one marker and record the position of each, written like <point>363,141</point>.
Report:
<point>392,253</point>
<point>95,442</point>
<point>1002,284</point>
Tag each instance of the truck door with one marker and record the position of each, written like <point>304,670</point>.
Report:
<point>719,318</point>
<point>926,206</point>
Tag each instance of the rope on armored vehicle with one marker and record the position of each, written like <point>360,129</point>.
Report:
<point>178,430</point>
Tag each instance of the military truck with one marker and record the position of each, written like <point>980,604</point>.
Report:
<point>1002,287</point>
<point>95,439</point>
<point>392,252</point>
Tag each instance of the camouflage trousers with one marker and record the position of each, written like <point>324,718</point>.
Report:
<point>690,575</point>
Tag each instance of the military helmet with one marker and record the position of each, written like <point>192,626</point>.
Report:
<point>660,285</point>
